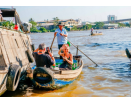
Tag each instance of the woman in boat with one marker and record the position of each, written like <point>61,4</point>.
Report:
<point>67,58</point>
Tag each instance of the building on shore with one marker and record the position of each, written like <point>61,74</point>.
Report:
<point>111,18</point>
<point>110,26</point>
<point>85,22</point>
<point>50,24</point>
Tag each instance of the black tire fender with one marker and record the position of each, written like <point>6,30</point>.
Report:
<point>30,56</point>
<point>13,78</point>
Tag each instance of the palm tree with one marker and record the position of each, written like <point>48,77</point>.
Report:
<point>31,20</point>
<point>56,21</point>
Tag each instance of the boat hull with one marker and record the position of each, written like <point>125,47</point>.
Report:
<point>12,50</point>
<point>60,78</point>
<point>97,34</point>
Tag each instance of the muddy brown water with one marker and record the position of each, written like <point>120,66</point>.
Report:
<point>112,78</point>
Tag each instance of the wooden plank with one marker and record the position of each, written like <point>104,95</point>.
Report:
<point>2,77</point>
<point>67,76</point>
<point>2,61</point>
<point>72,71</point>
<point>3,47</point>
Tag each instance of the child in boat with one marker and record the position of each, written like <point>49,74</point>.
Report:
<point>67,58</point>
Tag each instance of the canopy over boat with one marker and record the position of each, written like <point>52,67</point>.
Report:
<point>11,12</point>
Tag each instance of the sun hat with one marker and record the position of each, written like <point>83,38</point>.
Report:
<point>60,24</point>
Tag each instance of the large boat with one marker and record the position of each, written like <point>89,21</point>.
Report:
<point>15,53</point>
<point>53,78</point>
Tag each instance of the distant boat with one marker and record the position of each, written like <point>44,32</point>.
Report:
<point>100,33</point>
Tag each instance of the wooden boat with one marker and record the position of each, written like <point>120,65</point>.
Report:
<point>97,33</point>
<point>15,54</point>
<point>55,78</point>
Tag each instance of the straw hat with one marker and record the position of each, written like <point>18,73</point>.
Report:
<point>0,11</point>
<point>60,24</point>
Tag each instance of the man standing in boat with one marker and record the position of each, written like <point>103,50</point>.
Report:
<point>91,30</point>
<point>61,34</point>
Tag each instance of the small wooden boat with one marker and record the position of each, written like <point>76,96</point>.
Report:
<point>55,78</point>
<point>100,33</point>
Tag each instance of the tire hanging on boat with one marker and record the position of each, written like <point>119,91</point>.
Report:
<point>29,55</point>
<point>128,53</point>
<point>13,77</point>
<point>42,75</point>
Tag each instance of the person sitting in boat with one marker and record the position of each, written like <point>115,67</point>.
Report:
<point>43,59</point>
<point>67,58</point>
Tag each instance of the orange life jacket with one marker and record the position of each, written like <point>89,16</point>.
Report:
<point>40,52</point>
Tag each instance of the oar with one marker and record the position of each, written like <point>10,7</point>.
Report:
<point>52,44</point>
<point>80,51</point>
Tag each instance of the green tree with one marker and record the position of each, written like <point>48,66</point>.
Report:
<point>121,24</point>
<point>74,28</point>
<point>31,19</point>
<point>43,29</point>
<point>99,25</point>
<point>89,26</point>
<point>128,25</point>
<point>84,27</point>
<point>34,29</point>
<point>34,24</point>
<point>55,21</point>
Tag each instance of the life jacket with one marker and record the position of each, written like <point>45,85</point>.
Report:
<point>40,52</point>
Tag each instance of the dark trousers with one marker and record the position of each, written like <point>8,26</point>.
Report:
<point>59,46</point>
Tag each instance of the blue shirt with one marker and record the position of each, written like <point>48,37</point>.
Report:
<point>61,39</point>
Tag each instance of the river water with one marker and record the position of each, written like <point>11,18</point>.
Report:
<point>112,76</point>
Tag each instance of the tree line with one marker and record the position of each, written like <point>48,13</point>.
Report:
<point>98,25</point>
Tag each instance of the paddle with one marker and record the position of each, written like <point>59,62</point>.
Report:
<point>52,44</point>
<point>80,51</point>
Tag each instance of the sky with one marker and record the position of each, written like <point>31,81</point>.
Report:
<point>85,13</point>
